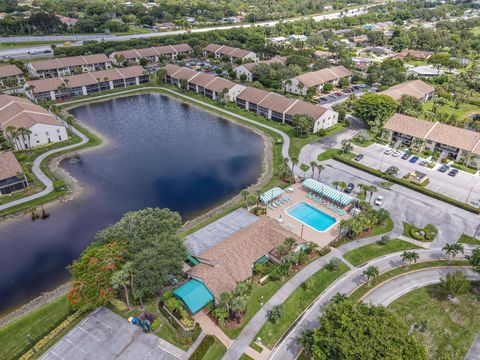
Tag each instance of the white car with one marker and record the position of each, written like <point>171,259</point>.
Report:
<point>379,200</point>
<point>397,153</point>
<point>388,151</point>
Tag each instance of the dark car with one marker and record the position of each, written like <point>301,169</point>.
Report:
<point>444,168</point>
<point>349,188</point>
<point>414,159</point>
<point>406,155</point>
<point>358,157</point>
<point>453,173</point>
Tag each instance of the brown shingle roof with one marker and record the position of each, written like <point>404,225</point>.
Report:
<point>219,84</point>
<point>227,50</point>
<point>152,51</point>
<point>416,88</point>
<point>322,76</point>
<point>184,74</point>
<point>253,95</point>
<point>212,47</point>
<point>84,79</point>
<point>409,125</point>
<point>20,112</point>
<point>9,166</point>
<point>58,63</point>
<point>303,107</point>
<point>234,257</point>
<point>417,54</point>
<point>9,70</point>
<point>172,69</point>
<point>275,60</point>
<point>277,102</point>
<point>202,79</point>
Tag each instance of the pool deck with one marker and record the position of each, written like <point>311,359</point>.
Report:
<point>322,238</point>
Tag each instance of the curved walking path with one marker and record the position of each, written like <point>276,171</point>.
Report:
<point>288,348</point>
<point>44,179</point>
<point>389,291</point>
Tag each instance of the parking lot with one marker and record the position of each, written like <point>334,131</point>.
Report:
<point>104,335</point>
<point>337,97</point>
<point>464,186</point>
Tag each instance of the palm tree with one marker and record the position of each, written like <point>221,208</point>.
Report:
<point>320,167</point>
<point>371,189</point>
<point>313,165</point>
<point>294,161</point>
<point>346,146</point>
<point>244,194</point>
<point>371,273</point>
<point>408,257</point>
<point>364,189</point>
<point>452,250</point>
<point>13,135</point>
<point>306,340</point>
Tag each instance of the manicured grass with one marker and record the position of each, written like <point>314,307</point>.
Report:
<point>475,30</point>
<point>363,144</point>
<point>463,110</point>
<point>330,153</point>
<point>382,229</point>
<point>365,253</point>
<point>468,169</point>
<point>38,323</point>
<point>362,290</point>
<point>466,239</point>
<point>451,326</point>
<point>260,295</point>
<point>245,357</point>
<point>297,302</point>
<point>216,351</point>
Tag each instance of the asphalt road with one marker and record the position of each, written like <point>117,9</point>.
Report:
<point>288,348</point>
<point>390,291</point>
<point>21,53</point>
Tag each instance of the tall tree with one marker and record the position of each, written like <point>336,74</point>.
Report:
<point>374,110</point>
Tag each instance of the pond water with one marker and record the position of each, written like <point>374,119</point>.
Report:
<point>159,152</point>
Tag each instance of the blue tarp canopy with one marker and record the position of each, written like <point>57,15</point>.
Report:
<point>271,194</point>
<point>194,294</point>
<point>327,192</point>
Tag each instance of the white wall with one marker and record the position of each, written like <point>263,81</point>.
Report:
<point>43,134</point>
<point>235,91</point>
<point>327,120</point>
<point>239,70</point>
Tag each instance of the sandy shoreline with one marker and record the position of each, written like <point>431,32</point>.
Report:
<point>78,190</point>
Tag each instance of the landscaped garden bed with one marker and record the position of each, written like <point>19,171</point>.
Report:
<point>466,239</point>
<point>426,234</point>
<point>368,252</point>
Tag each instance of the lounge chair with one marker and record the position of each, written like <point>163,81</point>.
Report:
<point>274,206</point>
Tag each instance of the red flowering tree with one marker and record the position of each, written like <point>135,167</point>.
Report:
<point>92,274</point>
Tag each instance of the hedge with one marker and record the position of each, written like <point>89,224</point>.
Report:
<point>409,185</point>
<point>202,349</point>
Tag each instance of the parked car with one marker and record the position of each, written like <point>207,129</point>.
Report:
<point>350,188</point>
<point>397,153</point>
<point>444,168</point>
<point>338,94</point>
<point>423,163</point>
<point>414,159</point>
<point>406,155</point>
<point>453,172</point>
<point>388,151</point>
<point>379,200</point>
<point>358,157</point>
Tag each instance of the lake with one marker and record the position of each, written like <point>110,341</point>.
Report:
<point>159,153</point>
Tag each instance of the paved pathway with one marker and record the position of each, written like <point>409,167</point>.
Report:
<point>388,292</point>
<point>41,175</point>
<point>288,347</point>
<point>474,352</point>
<point>210,328</point>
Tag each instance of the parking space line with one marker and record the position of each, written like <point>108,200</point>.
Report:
<point>54,353</point>
<point>103,322</point>
<point>82,350</point>
<point>88,332</point>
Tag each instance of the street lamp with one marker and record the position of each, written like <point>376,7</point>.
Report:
<point>469,193</point>
<point>381,162</point>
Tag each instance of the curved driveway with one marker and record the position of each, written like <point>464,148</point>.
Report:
<point>44,179</point>
<point>386,293</point>
<point>288,348</point>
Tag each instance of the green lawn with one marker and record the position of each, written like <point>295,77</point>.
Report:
<point>451,327</point>
<point>297,302</point>
<point>365,253</point>
<point>216,351</point>
<point>260,295</point>
<point>38,323</point>
<point>362,290</point>
<point>381,229</point>
<point>463,110</point>
<point>330,153</point>
<point>409,228</point>
<point>466,239</point>
<point>363,144</point>
<point>475,30</point>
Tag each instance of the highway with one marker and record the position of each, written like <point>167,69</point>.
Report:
<point>23,53</point>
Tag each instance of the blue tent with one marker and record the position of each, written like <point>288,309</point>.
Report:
<point>194,294</point>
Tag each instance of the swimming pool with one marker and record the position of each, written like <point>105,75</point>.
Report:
<point>311,216</point>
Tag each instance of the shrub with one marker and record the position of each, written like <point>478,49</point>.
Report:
<point>277,312</point>
<point>119,305</point>
<point>333,264</point>
<point>324,251</point>
<point>59,185</point>
<point>156,324</point>
<point>430,232</point>
<point>322,132</point>
<point>384,240</point>
<point>202,349</point>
